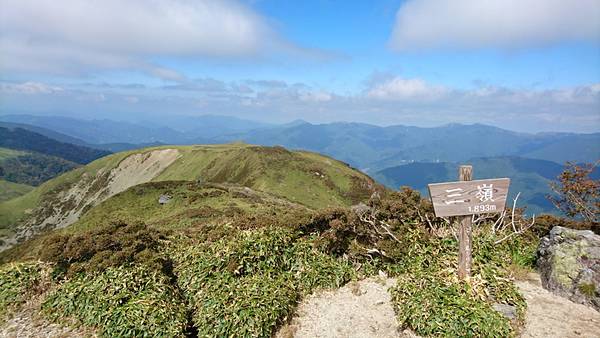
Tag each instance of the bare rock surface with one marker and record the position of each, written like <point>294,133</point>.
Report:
<point>552,316</point>
<point>569,264</point>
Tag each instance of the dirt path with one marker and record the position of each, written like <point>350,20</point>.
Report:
<point>360,309</point>
<point>27,323</point>
<point>550,316</point>
<point>363,309</point>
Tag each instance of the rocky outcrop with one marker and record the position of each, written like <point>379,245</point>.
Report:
<point>569,265</point>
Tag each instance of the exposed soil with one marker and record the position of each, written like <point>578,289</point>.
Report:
<point>549,315</point>
<point>364,309</point>
<point>28,323</point>
<point>359,309</point>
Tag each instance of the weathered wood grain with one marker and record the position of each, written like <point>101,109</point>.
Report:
<point>465,257</point>
<point>469,197</point>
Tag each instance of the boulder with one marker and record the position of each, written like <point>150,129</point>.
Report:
<point>569,265</point>
<point>164,199</point>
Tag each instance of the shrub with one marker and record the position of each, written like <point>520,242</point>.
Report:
<point>96,250</point>
<point>125,301</point>
<point>247,285</point>
<point>578,193</point>
<point>432,307</point>
<point>17,284</point>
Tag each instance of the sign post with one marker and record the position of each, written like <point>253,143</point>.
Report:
<point>466,198</point>
<point>465,173</point>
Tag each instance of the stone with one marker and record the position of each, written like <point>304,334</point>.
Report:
<point>508,311</point>
<point>164,199</point>
<point>569,265</point>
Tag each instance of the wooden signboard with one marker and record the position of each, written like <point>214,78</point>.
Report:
<point>469,197</point>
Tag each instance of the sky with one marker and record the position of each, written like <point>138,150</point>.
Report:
<point>525,65</point>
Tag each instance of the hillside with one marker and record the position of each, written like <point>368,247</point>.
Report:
<point>31,168</point>
<point>21,139</point>
<point>305,178</point>
<point>192,267</point>
<point>9,190</point>
<point>529,176</point>
<point>244,227</point>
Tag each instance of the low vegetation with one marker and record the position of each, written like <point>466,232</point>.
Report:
<point>33,169</point>
<point>10,190</point>
<point>126,301</point>
<point>19,282</point>
<point>222,259</point>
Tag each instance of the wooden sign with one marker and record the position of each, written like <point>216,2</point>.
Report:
<point>469,197</point>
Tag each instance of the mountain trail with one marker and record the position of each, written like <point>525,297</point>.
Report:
<point>364,309</point>
<point>549,315</point>
<point>360,309</point>
<point>28,323</point>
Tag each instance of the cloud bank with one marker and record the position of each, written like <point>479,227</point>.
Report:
<point>428,24</point>
<point>391,100</point>
<point>72,36</point>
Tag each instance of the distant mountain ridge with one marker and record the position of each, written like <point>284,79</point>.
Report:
<point>365,146</point>
<point>395,155</point>
<point>23,139</point>
<point>170,130</point>
<point>374,148</point>
<point>531,177</point>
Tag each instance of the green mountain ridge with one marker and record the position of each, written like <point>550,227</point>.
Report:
<point>376,148</point>
<point>30,168</point>
<point>22,139</point>
<point>309,179</point>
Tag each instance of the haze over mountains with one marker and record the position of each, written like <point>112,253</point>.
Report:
<point>394,155</point>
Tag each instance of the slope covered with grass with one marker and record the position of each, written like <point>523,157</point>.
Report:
<point>308,179</point>
<point>31,168</point>
<point>10,190</point>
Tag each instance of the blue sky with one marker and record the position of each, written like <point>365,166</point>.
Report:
<point>529,65</point>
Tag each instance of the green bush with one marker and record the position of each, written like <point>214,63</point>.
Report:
<point>431,307</point>
<point>110,246</point>
<point>248,285</point>
<point>126,301</point>
<point>16,283</point>
<point>430,300</point>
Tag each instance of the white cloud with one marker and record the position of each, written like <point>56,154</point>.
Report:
<point>29,88</point>
<point>424,24</point>
<point>76,36</point>
<point>397,88</point>
<point>316,96</point>
<point>163,27</point>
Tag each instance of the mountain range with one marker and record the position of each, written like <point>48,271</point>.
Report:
<point>394,155</point>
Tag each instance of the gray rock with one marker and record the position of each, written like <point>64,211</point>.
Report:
<point>508,311</point>
<point>569,265</point>
<point>164,199</point>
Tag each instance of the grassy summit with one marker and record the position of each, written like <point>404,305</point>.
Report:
<point>309,179</point>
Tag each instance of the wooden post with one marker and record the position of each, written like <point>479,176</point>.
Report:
<point>465,173</point>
